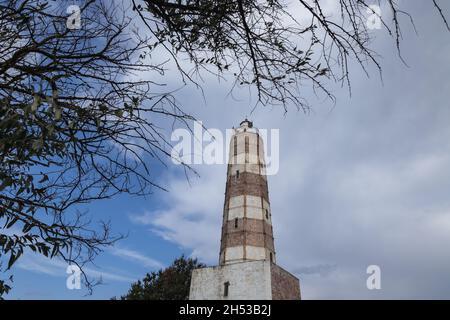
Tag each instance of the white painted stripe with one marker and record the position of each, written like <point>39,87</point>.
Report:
<point>233,254</point>
<point>237,212</point>
<point>255,253</point>
<point>253,208</point>
<point>249,167</point>
<point>236,201</point>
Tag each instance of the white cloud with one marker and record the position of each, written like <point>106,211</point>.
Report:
<point>193,215</point>
<point>136,256</point>
<point>57,268</point>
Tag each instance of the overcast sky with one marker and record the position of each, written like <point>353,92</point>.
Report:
<point>363,182</point>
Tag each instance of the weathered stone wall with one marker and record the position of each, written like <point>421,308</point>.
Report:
<point>247,183</point>
<point>247,281</point>
<point>285,286</point>
<point>250,280</point>
<point>251,231</point>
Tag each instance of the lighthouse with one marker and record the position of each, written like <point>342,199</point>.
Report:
<point>247,267</point>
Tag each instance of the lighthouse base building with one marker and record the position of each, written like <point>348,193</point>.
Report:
<point>253,280</point>
<point>247,267</point>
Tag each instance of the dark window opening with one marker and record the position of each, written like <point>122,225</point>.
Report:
<point>267,214</point>
<point>235,222</point>
<point>235,146</point>
<point>225,289</point>
<point>246,149</point>
<point>271,257</point>
<point>257,145</point>
<point>237,174</point>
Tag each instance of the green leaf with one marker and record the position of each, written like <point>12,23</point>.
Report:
<point>38,144</point>
<point>27,227</point>
<point>13,258</point>
<point>54,250</point>
<point>119,113</point>
<point>44,178</point>
<point>12,222</point>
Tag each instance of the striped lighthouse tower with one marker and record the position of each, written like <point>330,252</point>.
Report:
<point>247,227</point>
<point>247,267</point>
